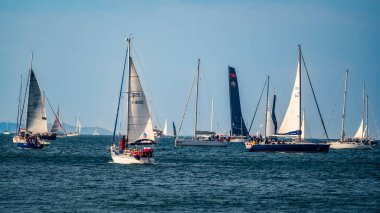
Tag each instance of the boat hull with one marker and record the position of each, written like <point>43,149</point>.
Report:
<point>349,145</point>
<point>200,143</point>
<point>21,143</point>
<point>127,159</point>
<point>289,147</point>
<point>237,140</point>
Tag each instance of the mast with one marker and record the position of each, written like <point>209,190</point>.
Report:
<point>19,107</point>
<point>342,135</point>
<point>299,84</point>
<point>363,109</point>
<point>118,104</point>
<point>266,111</point>
<point>196,101</point>
<point>129,84</point>
<point>366,125</point>
<point>212,112</point>
<point>26,92</point>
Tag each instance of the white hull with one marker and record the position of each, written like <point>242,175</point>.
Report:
<point>192,142</point>
<point>17,139</point>
<point>128,159</point>
<point>237,140</point>
<point>6,133</point>
<point>72,134</point>
<point>248,145</point>
<point>349,145</point>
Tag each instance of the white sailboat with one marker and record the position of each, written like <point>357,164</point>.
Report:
<point>6,132</point>
<point>137,147</point>
<point>360,140</point>
<point>36,123</point>
<point>165,131</point>
<point>95,132</point>
<point>200,138</point>
<point>78,128</point>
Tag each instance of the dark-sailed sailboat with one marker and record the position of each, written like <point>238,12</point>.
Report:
<point>239,131</point>
<point>292,124</point>
<point>35,130</point>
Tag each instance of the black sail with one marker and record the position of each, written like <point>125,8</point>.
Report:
<point>237,122</point>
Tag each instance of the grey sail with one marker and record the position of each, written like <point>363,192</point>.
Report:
<point>36,115</point>
<point>55,127</point>
<point>139,121</point>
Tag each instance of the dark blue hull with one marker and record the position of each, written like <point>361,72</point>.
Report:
<point>300,147</point>
<point>29,146</point>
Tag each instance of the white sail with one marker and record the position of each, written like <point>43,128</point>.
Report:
<point>360,134</point>
<point>303,133</point>
<point>36,115</point>
<point>290,124</point>
<point>78,126</point>
<point>139,120</point>
<point>269,125</point>
<point>165,131</point>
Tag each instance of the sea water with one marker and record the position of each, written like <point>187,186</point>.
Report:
<point>77,174</point>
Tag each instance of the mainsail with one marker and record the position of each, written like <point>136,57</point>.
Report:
<point>139,120</point>
<point>237,122</point>
<point>291,125</point>
<point>36,115</point>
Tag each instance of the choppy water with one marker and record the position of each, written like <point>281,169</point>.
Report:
<point>75,174</point>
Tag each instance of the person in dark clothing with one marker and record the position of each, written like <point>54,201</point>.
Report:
<point>122,144</point>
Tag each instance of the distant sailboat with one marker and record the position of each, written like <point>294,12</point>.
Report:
<point>200,138</point>
<point>239,131</point>
<point>36,124</point>
<point>139,131</point>
<point>165,131</point>
<point>95,132</point>
<point>6,132</point>
<point>290,127</point>
<point>78,128</point>
<point>360,140</point>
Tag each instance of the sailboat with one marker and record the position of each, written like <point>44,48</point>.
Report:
<point>138,145</point>
<point>239,131</point>
<point>6,132</point>
<point>77,128</point>
<point>360,140</point>
<point>200,138</point>
<point>36,123</point>
<point>165,131</point>
<point>95,132</point>
<point>291,125</point>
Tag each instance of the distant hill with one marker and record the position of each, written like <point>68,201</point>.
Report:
<point>68,127</point>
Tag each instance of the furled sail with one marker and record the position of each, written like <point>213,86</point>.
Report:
<point>303,126</point>
<point>237,122</point>
<point>36,115</point>
<point>291,125</point>
<point>271,125</point>
<point>139,120</point>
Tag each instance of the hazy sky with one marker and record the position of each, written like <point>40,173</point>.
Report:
<point>79,49</point>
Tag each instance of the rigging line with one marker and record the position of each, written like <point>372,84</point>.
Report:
<point>315,98</point>
<point>187,103</point>
<point>147,85</point>
<point>120,93</point>
<point>254,115</point>
<point>23,103</point>
<point>374,120</point>
<point>55,115</point>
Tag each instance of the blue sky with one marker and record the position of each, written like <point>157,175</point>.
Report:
<point>79,49</point>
